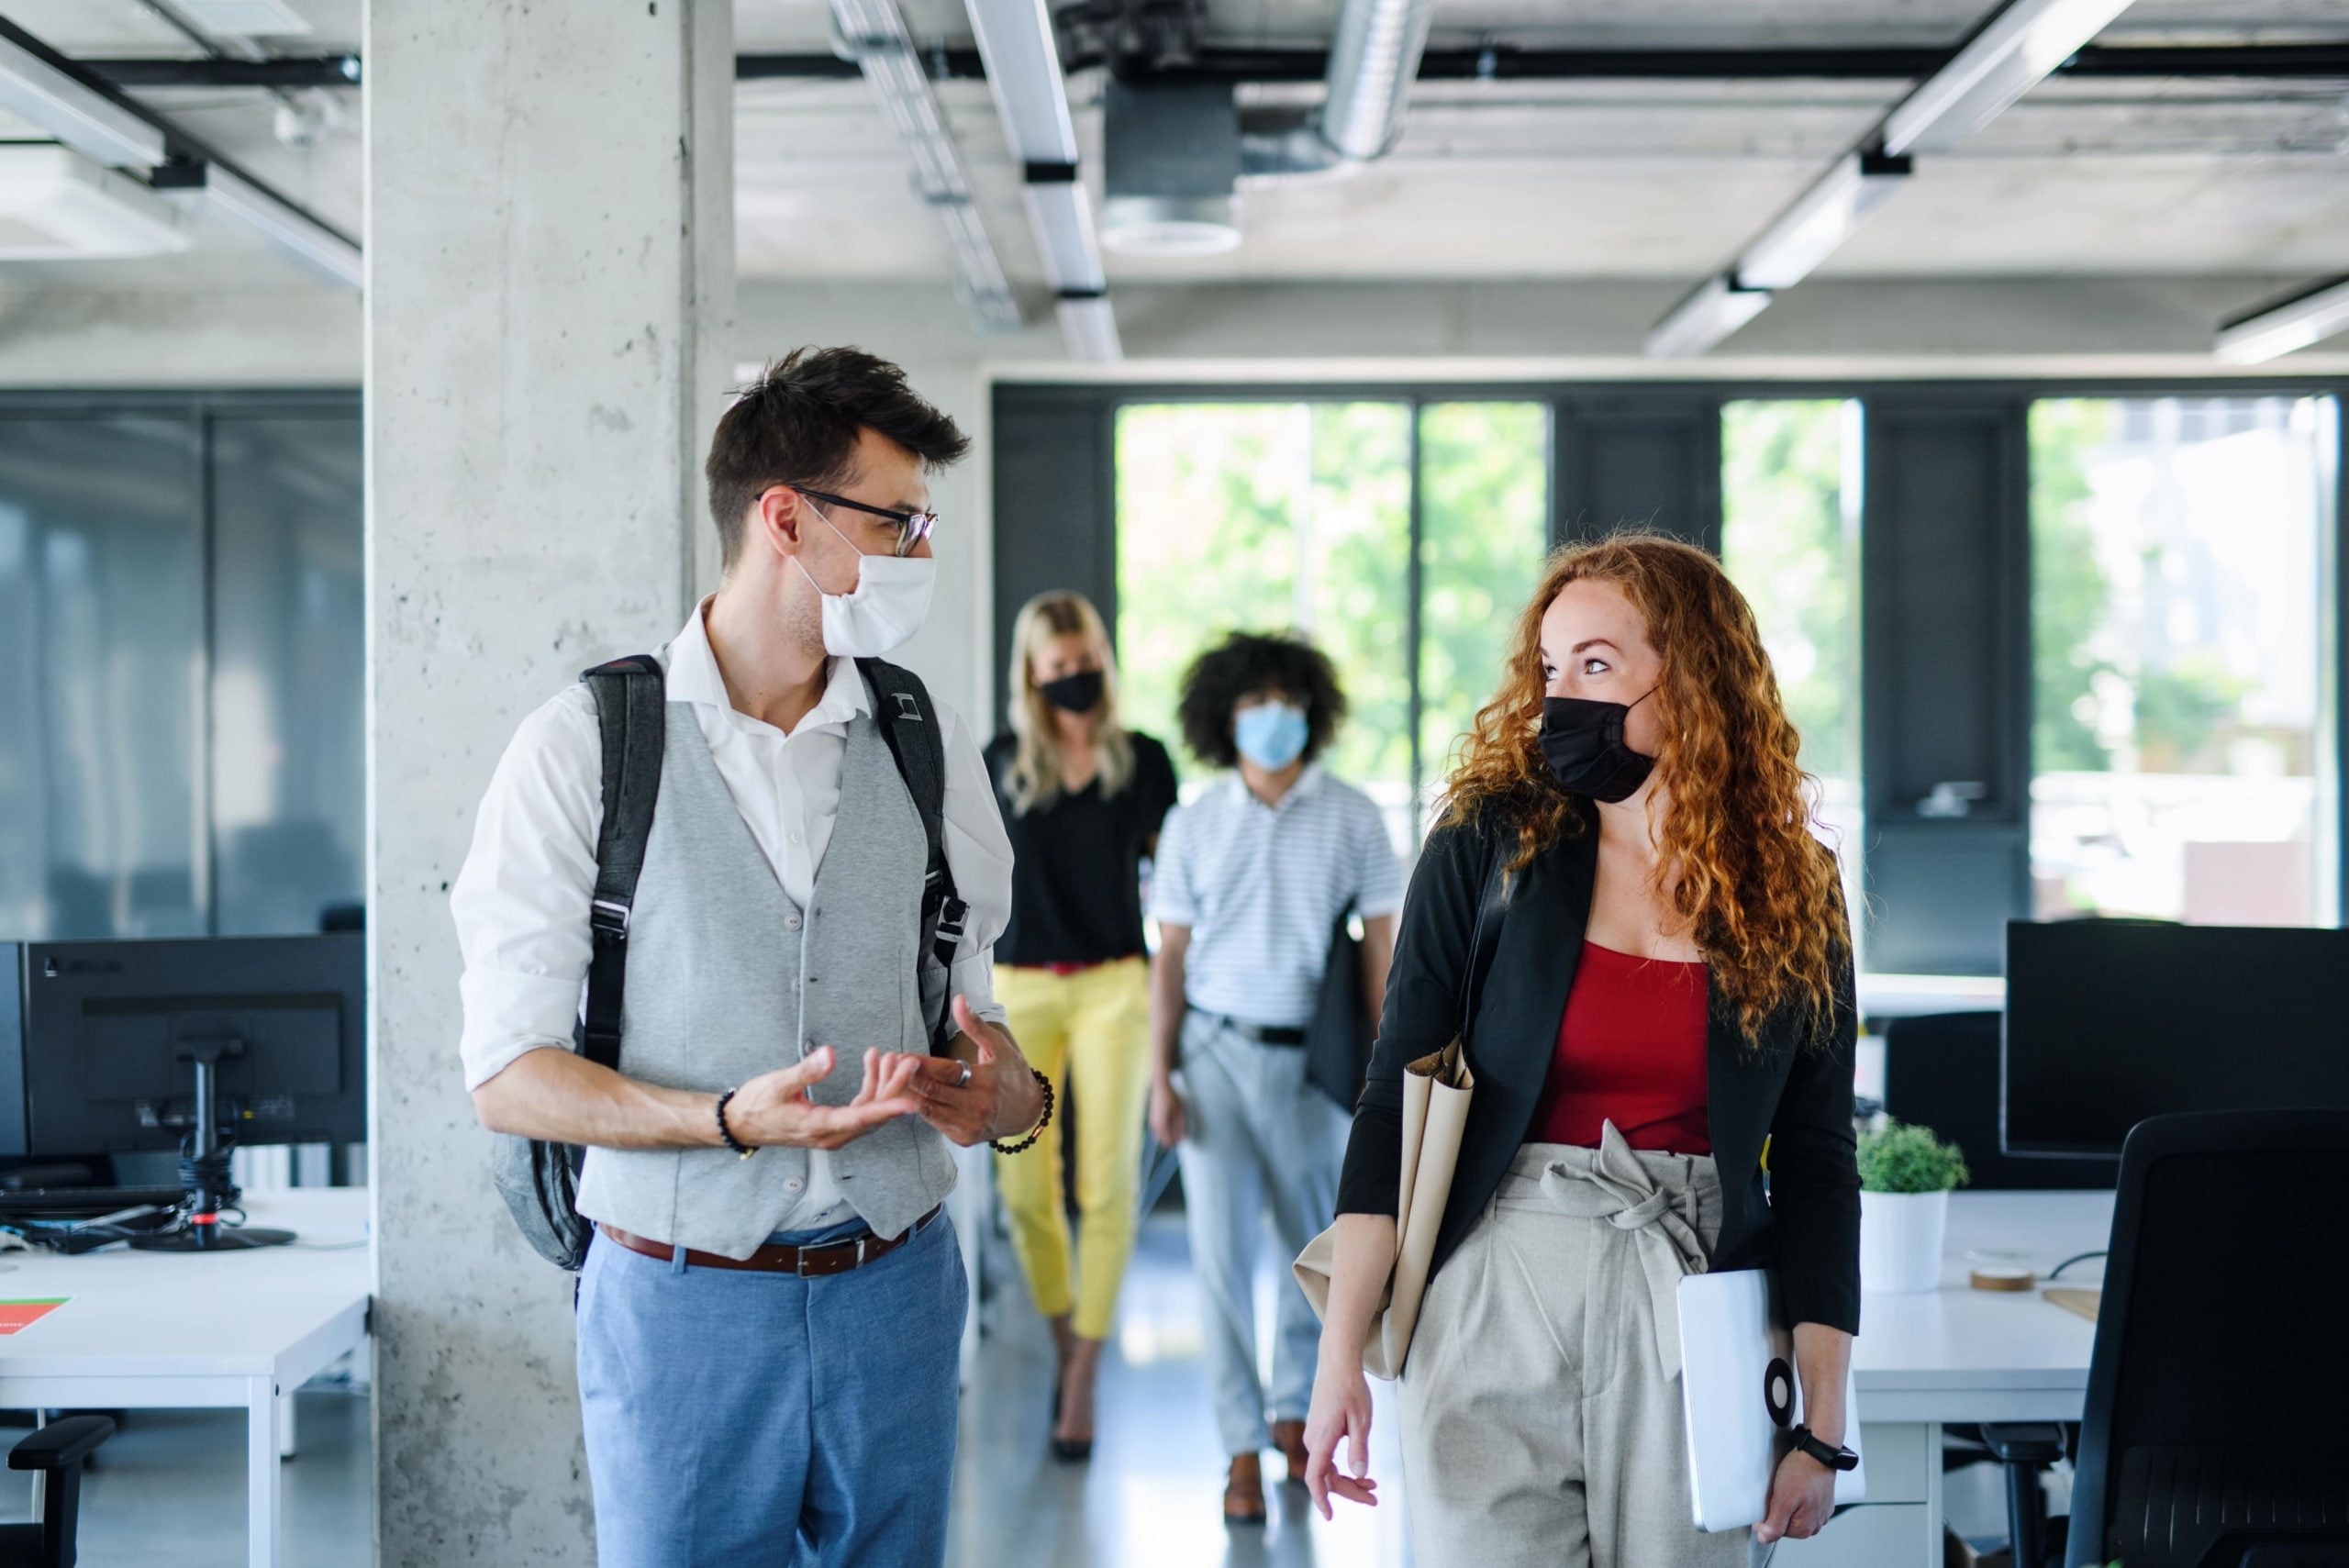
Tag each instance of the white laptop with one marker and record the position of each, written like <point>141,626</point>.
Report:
<point>1742,1398</point>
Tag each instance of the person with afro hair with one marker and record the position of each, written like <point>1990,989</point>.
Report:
<point>1251,883</point>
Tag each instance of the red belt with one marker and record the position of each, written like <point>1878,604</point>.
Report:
<point>807,1262</point>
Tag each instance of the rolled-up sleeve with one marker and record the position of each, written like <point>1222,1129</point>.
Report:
<point>1815,1177</point>
<point>520,902</point>
<point>1421,1011</point>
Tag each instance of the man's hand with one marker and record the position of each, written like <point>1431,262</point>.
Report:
<point>1166,1120</point>
<point>776,1107</point>
<point>984,1090</point>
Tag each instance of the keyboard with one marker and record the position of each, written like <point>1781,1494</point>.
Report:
<point>68,1203</point>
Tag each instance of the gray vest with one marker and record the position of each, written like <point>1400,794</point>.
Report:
<point>728,978</point>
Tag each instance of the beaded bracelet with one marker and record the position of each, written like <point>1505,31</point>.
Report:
<point>727,1132</point>
<point>1037,1131</point>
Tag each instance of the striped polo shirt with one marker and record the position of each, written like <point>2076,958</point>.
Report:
<point>1262,887</point>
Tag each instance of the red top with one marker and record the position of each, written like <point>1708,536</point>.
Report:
<point>1630,1051</point>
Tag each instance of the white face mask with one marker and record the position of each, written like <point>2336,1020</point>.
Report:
<point>892,596</point>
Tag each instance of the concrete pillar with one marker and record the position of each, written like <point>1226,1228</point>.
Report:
<point>550,247</point>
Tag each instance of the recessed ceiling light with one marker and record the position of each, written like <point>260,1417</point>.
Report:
<point>245,18</point>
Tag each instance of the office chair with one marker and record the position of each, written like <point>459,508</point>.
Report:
<point>57,1450</point>
<point>1942,1071</point>
<point>2216,1429</point>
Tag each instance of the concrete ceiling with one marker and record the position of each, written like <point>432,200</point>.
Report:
<point>1512,180</point>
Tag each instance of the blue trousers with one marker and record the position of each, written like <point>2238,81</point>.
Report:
<point>745,1419</point>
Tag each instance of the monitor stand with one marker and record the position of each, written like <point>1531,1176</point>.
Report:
<point>204,1172</point>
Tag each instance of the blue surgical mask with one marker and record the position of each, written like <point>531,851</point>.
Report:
<point>1272,735</point>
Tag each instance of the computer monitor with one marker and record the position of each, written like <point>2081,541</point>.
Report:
<point>2108,1022</point>
<point>99,1042</point>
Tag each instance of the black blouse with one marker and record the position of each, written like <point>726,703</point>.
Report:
<point>1804,1219</point>
<point>1076,862</point>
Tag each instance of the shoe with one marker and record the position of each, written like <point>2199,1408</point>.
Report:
<point>1290,1438</point>
<point>1072,1451</point>
<point>1243,1492</point>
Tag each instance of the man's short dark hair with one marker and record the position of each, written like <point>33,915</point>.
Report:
<point>1243,664</point>
<point>798,424</point>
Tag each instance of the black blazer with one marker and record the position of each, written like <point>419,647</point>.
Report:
<point>1807,1221</point>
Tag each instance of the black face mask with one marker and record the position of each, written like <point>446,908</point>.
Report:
<point>1583,742</point>
<point>1080,693</point>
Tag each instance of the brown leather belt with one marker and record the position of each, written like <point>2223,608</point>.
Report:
<point>807,1262</point>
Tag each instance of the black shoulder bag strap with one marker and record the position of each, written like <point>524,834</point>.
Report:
<point>1492,907</point>
<point>631,707</point>
<point>909,723</point>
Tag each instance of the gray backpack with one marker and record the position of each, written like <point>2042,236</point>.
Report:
<point>540,1179</point>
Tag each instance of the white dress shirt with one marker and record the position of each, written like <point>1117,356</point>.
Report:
<point>520,903</point>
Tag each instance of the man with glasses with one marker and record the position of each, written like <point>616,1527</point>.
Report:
<point>772,1307</point>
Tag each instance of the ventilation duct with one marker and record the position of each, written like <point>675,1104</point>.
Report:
<point>1374,59</point>
<point>1171,158</point>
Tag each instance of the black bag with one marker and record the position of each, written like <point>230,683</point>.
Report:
<point>1339,1037</point>
<point>540,1179</point>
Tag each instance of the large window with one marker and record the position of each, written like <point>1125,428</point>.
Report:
<point>1270,516</point>
<point>1790,538</point>
<point>2096,633</point>
<point>2177,642</point>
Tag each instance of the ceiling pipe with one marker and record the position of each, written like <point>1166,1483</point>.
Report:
<point>1374,59</point>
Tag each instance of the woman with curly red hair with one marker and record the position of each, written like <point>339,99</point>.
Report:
<point>1670,993</point>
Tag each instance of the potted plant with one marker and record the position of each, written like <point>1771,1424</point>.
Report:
<point>1905,1174</point>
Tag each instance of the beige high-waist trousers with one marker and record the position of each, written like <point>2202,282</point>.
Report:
<point>1541,1418</point>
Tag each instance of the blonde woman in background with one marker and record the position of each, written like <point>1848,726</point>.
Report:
<point>1082,798</point>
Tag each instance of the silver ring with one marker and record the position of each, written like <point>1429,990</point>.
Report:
<point>964,1081</point>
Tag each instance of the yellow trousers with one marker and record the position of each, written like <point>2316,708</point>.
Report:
<point>1091,1030</point>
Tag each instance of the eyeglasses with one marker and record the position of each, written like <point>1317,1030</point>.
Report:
<point>912,526</point>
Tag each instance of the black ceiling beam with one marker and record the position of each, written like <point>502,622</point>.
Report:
<point>2262,62</point>
<point>287,73</point>
<point>2311,60</point>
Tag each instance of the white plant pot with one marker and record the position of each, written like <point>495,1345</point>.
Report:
<point>1901,1240</point>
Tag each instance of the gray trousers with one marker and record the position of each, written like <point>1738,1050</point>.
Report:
<point>1261,1144</point>
<point>1541,1405</point>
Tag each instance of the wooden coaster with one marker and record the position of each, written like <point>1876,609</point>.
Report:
<point>1994,1276</point>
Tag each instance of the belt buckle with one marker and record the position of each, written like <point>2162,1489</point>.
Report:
<point>800,1266</point>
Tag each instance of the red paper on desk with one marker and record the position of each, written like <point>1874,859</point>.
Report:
<point>24,1311</point>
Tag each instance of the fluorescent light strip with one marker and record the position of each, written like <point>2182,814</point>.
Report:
<point>1024,72</point>
<point>1717,307</point>
<point>1819,221</point>
<point>875,32</point>
<point>326,253</point>
<point>2016,51</point>
<point>86,120</point>
<point>2279,328</point>
<point>1090,328</point>
<point>1023,67</point>
<point>1062,216</point>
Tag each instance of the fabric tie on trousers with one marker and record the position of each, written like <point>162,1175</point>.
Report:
<point>1617,1187</point>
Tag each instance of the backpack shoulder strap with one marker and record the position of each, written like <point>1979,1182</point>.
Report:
<point>631,709</point>
<point>909,721</point>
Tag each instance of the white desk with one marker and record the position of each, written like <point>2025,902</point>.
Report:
<point>1961,1354</point>
<point>152,1329</point>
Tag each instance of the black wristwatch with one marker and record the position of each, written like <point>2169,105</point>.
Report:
<point>1833,1458</point>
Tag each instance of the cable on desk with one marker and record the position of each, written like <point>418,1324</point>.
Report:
<point>2067,1262</point>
